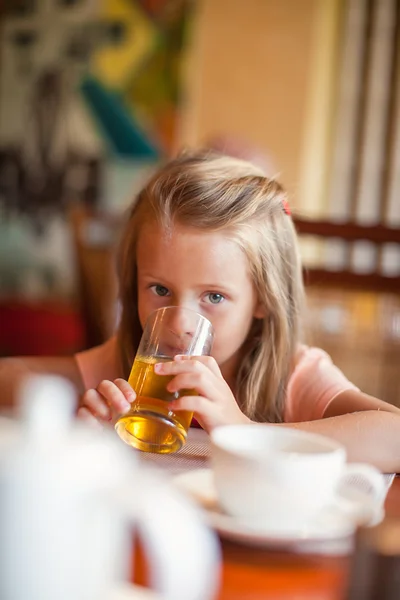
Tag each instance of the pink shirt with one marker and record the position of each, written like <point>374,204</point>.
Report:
<point>313,384</point>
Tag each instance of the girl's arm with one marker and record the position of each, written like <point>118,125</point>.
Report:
<point>368,427</point>
<point>14,370</point>
<point>371,436</point>
<point>350,401</point>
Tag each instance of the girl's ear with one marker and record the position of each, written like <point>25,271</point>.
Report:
<point>260,311</point>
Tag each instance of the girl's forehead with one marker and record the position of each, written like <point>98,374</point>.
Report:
<point>189,250</point>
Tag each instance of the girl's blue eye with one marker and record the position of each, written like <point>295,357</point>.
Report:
<point>215,298</point>
<point>160,290</point>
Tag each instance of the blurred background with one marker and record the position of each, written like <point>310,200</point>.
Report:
<point>95,94</point>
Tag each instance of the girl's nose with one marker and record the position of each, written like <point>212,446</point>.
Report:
<point>182,321</point>
<point>185,332</point>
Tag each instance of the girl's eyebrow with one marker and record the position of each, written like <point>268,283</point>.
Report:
<point>219,287</point>
<point>149,275</point>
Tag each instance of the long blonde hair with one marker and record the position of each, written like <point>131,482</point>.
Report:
<point>213,192</point>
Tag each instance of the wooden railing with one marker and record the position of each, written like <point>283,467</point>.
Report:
<point>350,232</point>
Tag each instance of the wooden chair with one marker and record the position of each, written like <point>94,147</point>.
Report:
<point>355,316</point>
<point>95,238</point>
<point>350,232</point>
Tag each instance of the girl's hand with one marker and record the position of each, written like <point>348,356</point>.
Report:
<point>108,400</point>
<point>215,403</point>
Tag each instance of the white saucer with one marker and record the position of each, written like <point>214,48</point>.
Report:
<point>329,527</point>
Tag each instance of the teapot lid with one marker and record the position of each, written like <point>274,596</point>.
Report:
<point>46,405</point>
<point>47,433</point>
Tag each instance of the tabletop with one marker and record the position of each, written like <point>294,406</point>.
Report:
<point>250,573</point>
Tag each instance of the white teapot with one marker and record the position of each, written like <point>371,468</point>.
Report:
<point>69,501</point>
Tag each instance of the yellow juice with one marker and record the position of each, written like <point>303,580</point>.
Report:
<point>150,425</point>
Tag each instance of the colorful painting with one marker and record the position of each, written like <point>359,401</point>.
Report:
<point>90,95</point>
<point>140,76</point>
<point>84,80</point>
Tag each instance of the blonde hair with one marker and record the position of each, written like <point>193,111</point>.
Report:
<point>213,192</point>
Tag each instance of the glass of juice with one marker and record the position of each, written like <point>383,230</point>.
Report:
<point>150,425</point>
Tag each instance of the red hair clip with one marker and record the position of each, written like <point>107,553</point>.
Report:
<point>286,207</point>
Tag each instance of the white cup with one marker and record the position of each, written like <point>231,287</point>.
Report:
<point>279,478</point>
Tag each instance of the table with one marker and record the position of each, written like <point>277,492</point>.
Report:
<point>257,574</point>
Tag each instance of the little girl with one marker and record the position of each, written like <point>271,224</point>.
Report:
<point>214,234</point>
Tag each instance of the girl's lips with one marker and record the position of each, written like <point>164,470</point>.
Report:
<point>173,350</point>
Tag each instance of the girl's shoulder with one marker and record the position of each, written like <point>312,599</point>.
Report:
<point>313,384</point>
<point>99,363</point>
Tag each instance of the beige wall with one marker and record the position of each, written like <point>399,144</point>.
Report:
<point>250,76</point>
<point>251,73</point>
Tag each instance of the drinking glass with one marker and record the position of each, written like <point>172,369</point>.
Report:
<point>150,425</point>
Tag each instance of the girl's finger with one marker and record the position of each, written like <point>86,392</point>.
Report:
<point>207,361</point>
<point>201,407</point>
<point>114,396</point>
<point>183,365</point>
<point>126,389</point>
<point>203,382</point>
<point>85,415</point>
<point>96,404</point>
<point>197,404</point>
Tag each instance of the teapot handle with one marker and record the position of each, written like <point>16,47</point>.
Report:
<point>184,553</point>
